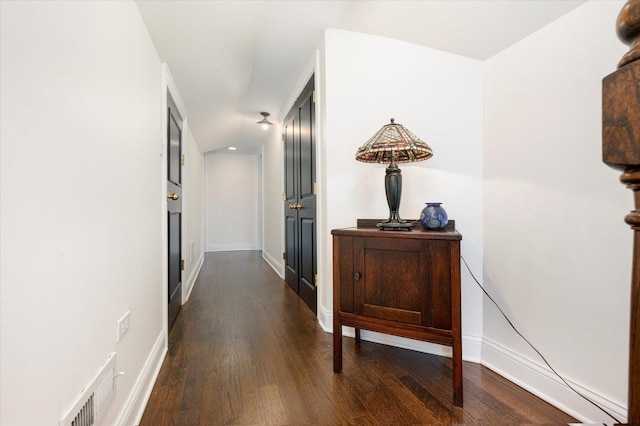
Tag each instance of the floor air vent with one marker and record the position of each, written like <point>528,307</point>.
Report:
<point>91,405</point>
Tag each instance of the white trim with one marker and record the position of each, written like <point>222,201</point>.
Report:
<point>163,201</point>
<point>325,318</point>
<point>173,89</point>
<point>472,348</point>
<point>184,221</point>
<point>261,200</point>
<point>325,286</point>
<point>232,247</point>
<point>191,281</point>
<point>542,382</point>
<point>275,265</point>
<point>134,407</point>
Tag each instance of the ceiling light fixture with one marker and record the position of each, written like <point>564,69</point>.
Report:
<point>232,148</point>
<point>265,122</point>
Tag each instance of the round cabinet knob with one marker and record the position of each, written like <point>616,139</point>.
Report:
<point>356,276</point>
<point>172,196</point>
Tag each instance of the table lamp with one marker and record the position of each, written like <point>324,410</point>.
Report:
<point>393,144</point>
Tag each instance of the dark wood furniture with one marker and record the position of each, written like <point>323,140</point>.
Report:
<point>401,283</point>
<point>621,150</point>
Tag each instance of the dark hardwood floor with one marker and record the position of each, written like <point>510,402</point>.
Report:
<point>245,349</point>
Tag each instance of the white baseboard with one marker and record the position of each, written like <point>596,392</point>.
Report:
<point>132,412</point>
<point>232,247</point>
<point>542,382</point>
<point>274,263</point>
<point>192,279</point>
<point>471,348</point>
<point>325,318</point>
<point>471,345</point>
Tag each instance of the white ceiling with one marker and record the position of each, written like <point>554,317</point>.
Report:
<point>232,59</point>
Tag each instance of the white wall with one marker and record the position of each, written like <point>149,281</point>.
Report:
<point>557,252</point>
<point>272,204</point>
<point>232,210</point>
<point>81,203</point>
<point>436,95</point>
<point>194,215</point>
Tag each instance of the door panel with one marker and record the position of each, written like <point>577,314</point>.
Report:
<point>175,150</point>
<point>390,278</point>
<point>174,212</point>
<point>289,158</point>
<point>291,199</point>
<point>389,289</point>
<point>307,286</point>
<point>307,147</point>
<point>175,285</point>
<point>403,280</point>
<point>291,259</point>
<point>300,197</point>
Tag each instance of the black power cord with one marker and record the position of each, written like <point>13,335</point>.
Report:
<point>534,348</point>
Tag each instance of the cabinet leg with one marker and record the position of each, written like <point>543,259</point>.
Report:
<point>357,335</point>
<point>337,348</point>
<point>457,398</point>
<point>456,362</point>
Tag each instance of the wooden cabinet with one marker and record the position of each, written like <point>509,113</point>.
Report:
<point>401,283</point>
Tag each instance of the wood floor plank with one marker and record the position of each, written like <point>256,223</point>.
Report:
<point>246,350</point>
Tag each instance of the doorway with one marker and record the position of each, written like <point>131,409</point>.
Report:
<point>300,197</point>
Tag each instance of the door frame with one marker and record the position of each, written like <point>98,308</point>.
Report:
<point>169,89</point>
<point>324,269</point>
<point>293,136</point>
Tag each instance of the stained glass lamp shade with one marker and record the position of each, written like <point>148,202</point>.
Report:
<point>393,144</point>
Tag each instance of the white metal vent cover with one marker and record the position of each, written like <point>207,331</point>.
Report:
<point>91,406</point>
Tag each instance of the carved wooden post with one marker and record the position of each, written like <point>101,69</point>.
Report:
<point>621,150</point>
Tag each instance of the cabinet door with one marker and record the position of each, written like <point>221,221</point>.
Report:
<point>394,282</point>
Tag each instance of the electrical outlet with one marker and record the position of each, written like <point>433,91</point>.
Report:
<point>123,326</point>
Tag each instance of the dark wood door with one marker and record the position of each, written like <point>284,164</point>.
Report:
<point>300,197</point>
<point>174,213</point>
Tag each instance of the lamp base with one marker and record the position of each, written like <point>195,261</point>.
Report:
<point>395,226</point>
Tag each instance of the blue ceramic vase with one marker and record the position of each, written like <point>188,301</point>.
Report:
<point>434,216</point>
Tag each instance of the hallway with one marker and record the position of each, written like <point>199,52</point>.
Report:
<point>246,350</point>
